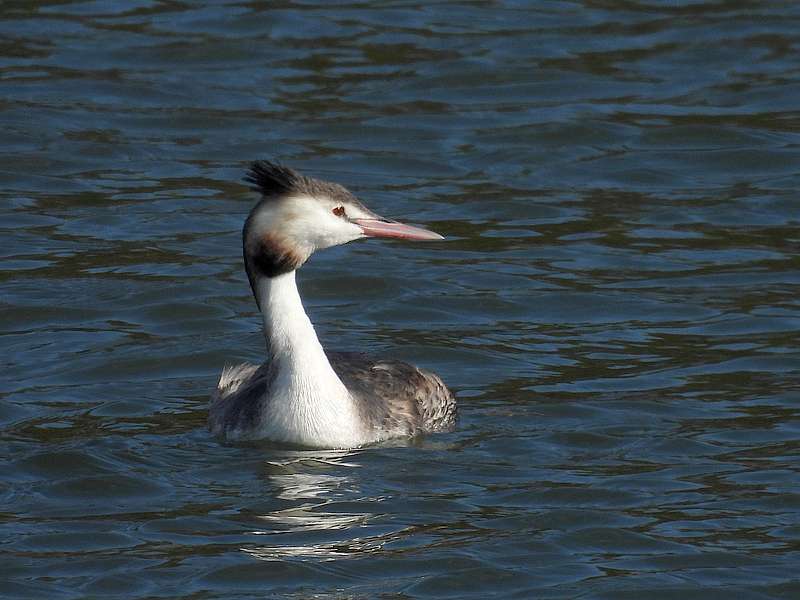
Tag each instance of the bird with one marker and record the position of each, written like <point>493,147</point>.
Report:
<point>303,395</point>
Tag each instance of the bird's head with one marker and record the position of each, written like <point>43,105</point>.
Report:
<point>298,215</point>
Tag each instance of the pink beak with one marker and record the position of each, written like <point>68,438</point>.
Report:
<point>393,229</point>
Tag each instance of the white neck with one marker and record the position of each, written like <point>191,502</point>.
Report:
<point>309,404</point>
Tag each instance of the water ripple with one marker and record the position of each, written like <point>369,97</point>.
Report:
<point>615,302</point>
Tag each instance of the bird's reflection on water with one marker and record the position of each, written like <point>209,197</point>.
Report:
<point>319,484</point>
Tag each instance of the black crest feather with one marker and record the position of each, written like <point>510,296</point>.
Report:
<point>272,179</point>
<point>275,181</point>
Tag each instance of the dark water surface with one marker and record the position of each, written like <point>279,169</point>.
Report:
<point>616,303</point>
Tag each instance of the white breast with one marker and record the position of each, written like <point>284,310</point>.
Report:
<point>306,415</point>
<point>308,404</point>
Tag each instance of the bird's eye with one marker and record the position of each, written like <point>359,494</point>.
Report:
<point>339,211</point>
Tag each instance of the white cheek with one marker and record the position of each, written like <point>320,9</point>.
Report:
<point>339,232</point>
<point>312,226</point>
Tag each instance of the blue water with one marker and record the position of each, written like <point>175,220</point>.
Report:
<point>616,303</point>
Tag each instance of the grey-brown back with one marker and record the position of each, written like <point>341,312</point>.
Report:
<point>395,396</point>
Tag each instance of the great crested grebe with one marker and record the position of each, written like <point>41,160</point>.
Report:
<point>303,395</point>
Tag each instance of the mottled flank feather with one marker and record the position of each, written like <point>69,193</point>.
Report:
<point>232,377</point>
<point>238,401</point>
<point>395,396</point>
